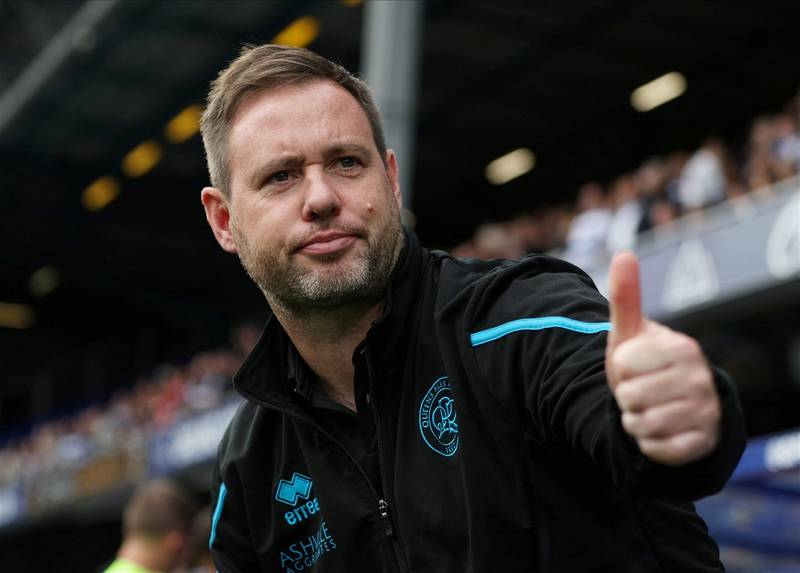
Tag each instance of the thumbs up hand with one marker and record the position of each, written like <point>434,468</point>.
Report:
<point>660,378</point>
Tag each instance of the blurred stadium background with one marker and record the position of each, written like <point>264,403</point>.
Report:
<point>575,128</point>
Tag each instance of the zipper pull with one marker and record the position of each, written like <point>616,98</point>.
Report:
<point>383,509</point>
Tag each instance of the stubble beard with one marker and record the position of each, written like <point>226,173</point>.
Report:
<point>299,289</point>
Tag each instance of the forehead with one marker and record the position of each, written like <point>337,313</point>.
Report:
<point>296,118</point>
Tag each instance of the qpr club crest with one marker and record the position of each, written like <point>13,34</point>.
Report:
<point>437,418</point>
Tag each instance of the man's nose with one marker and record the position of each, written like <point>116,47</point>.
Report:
<point>321,197</point>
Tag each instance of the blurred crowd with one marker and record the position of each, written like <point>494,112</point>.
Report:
<point>106,444</point>
<point>649,200</point>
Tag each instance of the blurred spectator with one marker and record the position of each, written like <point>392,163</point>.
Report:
<point>627,215</point>
<point>243,339</point>
<point>786,146</point>
<point>587,233</point>
<point>703,180</point>
<point>155,529</point>
<point>661,214</point>
<point>198,558</point>
<point>773,150</point>
<point>496,241</point>
<point>673,167</point>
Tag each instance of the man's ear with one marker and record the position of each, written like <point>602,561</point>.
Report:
<point>218,216</point>
<point>393,172</point>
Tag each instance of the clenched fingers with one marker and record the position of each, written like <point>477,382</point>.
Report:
<point>675,382</point>
<point>671,419</point>
<point>680,448</point>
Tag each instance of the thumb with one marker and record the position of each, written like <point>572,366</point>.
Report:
<point>625,297</point>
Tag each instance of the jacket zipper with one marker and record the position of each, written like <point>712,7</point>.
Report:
<point>383,505</point>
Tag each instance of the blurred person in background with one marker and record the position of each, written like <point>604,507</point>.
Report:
<point>703,180</point>
<point>408,411</point>
<point>786,146</point>
<point>198,557</point>
<point>651,180</point>
<point>496,241</point>
<point>588,232</point>
<point>758,167</point>
<point>626,217</point>
<point>155,529</point>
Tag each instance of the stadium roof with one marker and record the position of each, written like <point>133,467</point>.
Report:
<point>555,77</point>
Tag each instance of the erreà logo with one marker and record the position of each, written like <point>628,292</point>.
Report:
<point>437,418</point>
<point>290,491</point>
<point>293,491</point>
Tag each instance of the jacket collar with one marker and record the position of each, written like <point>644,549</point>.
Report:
<point>274,370</point>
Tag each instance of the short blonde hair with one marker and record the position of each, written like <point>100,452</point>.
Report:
<point>156,509</point>
<point>268,67</point>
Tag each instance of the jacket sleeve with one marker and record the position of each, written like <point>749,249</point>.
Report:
<point>550,356</point>
<point>230,544</point>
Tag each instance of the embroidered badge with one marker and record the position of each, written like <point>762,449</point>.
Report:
<point>437,418</point>
<point>292,492</point>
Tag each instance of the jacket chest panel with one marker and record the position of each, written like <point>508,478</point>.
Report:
<point>317,512</point>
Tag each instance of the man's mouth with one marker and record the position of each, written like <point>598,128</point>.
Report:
<point>327,242</point>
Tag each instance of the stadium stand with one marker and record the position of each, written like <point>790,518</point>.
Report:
<point>643,205</point>
<point>165,422</point>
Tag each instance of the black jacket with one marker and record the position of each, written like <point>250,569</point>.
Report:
<point>486,440</point>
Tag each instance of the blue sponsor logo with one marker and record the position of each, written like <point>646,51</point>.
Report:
<point>437,418</point>
<point>294,491</point>
<point>289,492</point>
<point>305,552</point>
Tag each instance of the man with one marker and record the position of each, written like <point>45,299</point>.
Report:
<point>407,411</point>
<point>197,556</point>
<point>155,527</point>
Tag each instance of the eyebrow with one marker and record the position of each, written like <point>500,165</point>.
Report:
<point>279,163</point>
<point>344,148</point>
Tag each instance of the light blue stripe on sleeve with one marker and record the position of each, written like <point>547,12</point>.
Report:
<point>223,491</point>
<point>492,334</point>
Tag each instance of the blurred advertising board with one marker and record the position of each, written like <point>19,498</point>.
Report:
<point>727,252</point>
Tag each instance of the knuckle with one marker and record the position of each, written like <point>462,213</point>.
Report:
<point>629,422</point>
<point>683,448</point>
<point>655,450</point>
<point>701,377</point>
<point>685,346</point>
<point>625,358</point>
<point>711,412</point>
<point>652,424</point>
<point>699,385</point>
<point>627,396</point>
<point>620,363</point>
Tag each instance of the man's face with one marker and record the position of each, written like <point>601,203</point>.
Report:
<point>314,212</point>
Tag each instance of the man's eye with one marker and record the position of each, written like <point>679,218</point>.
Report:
<point>347,162</point>
<point>279,177</point>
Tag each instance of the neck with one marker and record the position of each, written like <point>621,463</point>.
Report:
<point>326,339</point>
<point>143,553</point>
